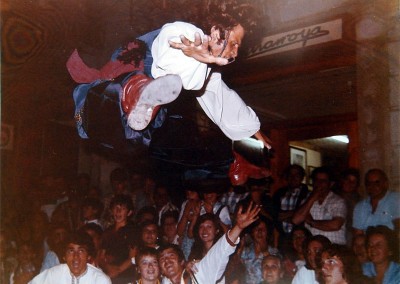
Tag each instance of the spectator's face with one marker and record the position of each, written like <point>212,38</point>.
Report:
<point>118,186</point>
<point>210,198</point>
<point>169,227</point>
<point>95,237</point>
<point>207,231</point>
<point>76,258</point>
<point>148,268</point>
<point>378,249</point>
<point>161,197</point>
<point>89,213</point>
<point>271,270</point>
<point>233,41</point>
<point>260,233</point>
<point>321,182</point>
<point>137,181</point>
<point>192,195</point>
<point>294,178</point>
<point>150,234</point>
<point>349,184</point>
<point>313,250</point>
<point>26,254</point>
<point>120,213</point>
<point>59,235</point>
<point>169,263</point>
<point>359,249</point>
<point>376,185</point>
<point>332,269</point>
<point>298,238</point>
<point>256,192</point>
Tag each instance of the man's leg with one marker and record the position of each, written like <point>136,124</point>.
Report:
<point>142,95</point>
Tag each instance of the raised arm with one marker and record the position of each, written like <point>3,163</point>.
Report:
<point>243,220</point>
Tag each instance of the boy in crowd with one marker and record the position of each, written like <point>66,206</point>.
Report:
<point>78,251</point>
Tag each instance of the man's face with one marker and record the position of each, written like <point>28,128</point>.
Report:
<point>376,185</point>
<point>233,39</point>
<point>349,184</point>
<point>294,178</point>
<point>210,198</point>
<point>169,227</point>
<point>148,268</point>
<point>321,182</point>
<point>298,238</point>
<point>271,270</point>
<point>332,269</point>
<point>118,186</point>
<point>192,195</point>
<point>313,250</point>
<point>120,213</point>
<point>150,234</point>
<point>88,212</point>
<point>76,258</point>
<point>161,196</point>
<point>169,263</point>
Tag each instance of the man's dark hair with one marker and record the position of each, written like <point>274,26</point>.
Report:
<point>123,200</point>
<point>302,228</point>
<point>351,172</point>
<point>83,239</point>
<point>169,214</point>
<point>95,203</point>
<point>225,15</point>
<point>175,248</point>
<point>146,210</point>
<point>92,227</point>
<point>144,251</point>
<point>322,170</point>
<point>296,167</point>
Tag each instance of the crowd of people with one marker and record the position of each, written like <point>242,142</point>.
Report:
<point>146,231</point>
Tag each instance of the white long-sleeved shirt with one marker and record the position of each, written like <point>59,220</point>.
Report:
<point>61,274</point>
<point>213,264</point>
<point>221,104</point>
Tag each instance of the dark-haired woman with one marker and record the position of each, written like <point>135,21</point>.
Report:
<point>253,254</point>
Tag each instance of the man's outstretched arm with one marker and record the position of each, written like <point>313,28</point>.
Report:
<point>198,49</point>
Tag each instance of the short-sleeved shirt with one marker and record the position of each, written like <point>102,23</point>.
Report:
<point>392,274</point>
<point>253,262</point>
<point>388,209</point>
<point>332,206</point>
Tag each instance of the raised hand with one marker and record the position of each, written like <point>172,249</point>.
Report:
<point>198,49</point>
<point>244,219</point>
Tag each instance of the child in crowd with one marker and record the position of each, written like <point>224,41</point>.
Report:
<point>115,246</point>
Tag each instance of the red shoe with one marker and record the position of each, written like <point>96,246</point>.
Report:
<point>142,96</point>
<point>241,169</point>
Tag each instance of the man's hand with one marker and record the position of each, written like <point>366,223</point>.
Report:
<point>198,49</point>
<point>244,219</point>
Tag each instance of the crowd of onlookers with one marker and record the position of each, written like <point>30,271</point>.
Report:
<point>208,231</point>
